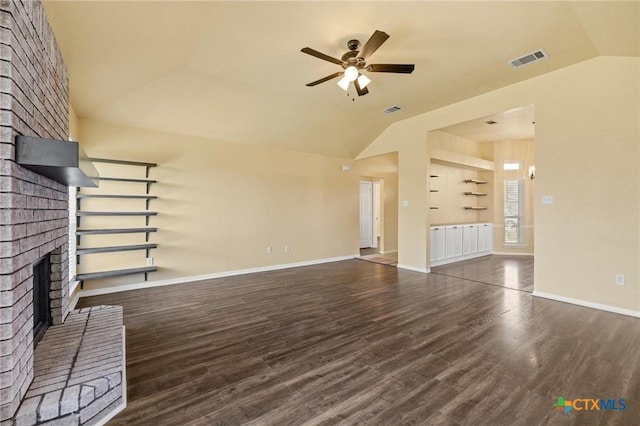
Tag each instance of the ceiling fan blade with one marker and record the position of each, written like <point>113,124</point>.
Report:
<point>327,78</point>
<point>374,42</point>
<point>398,68</point>
<point>320,55</point>
<point>361,91</point>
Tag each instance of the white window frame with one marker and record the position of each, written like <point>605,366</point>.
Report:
<point>514,212</point>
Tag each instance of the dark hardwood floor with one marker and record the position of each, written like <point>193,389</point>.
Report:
<point>355,342</point>
<point>506,271</point>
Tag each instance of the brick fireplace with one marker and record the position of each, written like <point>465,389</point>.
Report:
<point>34,209</point>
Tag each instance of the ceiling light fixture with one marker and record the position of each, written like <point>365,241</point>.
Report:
<point>344,83</point>
<point>350,74</point>
<point>363,81</point>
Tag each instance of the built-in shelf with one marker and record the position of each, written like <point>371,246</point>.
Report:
<point>144,213</point>
<point>477,194</point>
<point>433,190</point>
<point>475,208</point>
<point>113,249</point>
<point>476,181</point>
<point>115,231</point>
<point>115,273</point>
<point>112,179</point>
<point>122,162</point>
<point>124,197</point>
<point>434,208</point>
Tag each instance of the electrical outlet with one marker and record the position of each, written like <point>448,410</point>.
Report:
<point>620,279</point>
<point>287,248</point>
<point>269,249</point>
<point>149,261</point>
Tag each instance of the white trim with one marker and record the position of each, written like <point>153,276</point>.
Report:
<point>504,253</point>
<point>461,258</point>
<point>72,285</point>
<point>411,268</point>
<point>587,304</point>
<point>388,251</point>
<point>74,301</point>
<point>192,278</point>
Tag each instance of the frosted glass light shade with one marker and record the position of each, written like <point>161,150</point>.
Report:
<point>351,73</point>
<point>363,81</point>
<point>344,83</point>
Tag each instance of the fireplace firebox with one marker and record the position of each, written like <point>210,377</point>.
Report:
<point>41,287</point>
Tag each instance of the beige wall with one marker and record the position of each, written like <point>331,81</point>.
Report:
<point>524,152</point>
<point>450,198</point>
<point>385,168</point>
<point>220,205</point>
<point>587,157</point>
<point>73,124</point>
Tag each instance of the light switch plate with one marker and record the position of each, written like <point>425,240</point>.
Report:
<point>547,199</point>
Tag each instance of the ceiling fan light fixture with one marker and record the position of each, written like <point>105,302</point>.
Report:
<point>344,83</point>
<point>363,81</point>
<point>351,73</point>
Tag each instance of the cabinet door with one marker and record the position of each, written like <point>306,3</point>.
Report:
<point>453,241</point>
<point>437,244</point>
<point>485,237</point>
<point>470,239</point>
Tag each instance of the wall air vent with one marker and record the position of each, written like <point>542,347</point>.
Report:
<point>528,58</point>
<point>391,109</point>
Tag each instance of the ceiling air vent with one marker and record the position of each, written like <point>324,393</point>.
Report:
<point>391,109</point>
<point>528,58</point>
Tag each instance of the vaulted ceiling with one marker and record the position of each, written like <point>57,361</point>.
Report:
<point>233,71</point>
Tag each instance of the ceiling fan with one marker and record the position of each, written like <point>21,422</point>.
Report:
<point>355,61</point>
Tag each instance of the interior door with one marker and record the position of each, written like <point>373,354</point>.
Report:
<point>375,213</point>
<point>366,214</point>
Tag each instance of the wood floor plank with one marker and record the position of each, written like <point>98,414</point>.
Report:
<point>355,343</point>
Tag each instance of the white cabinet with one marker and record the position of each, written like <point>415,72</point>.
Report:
<point>453,241</point>
<point>437,243</point>
<point>485,237</point>
<point>469,239</point>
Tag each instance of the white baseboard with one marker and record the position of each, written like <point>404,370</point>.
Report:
<point>388,251</point>
<point>411,268</point>
<point>192,278</point>
<point>502,253</point>
<point>587,304</point>
<point>74,301</point>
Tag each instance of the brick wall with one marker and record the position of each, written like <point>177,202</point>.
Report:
<point>34,210</point>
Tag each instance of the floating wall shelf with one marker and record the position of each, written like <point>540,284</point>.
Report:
<point>146,230</point>
<point>476,181</point>
<point>477,194</point>
<point>476,208</point>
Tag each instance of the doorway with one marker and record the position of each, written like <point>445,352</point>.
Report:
<point>372,223</point>
<point>368,234</point>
